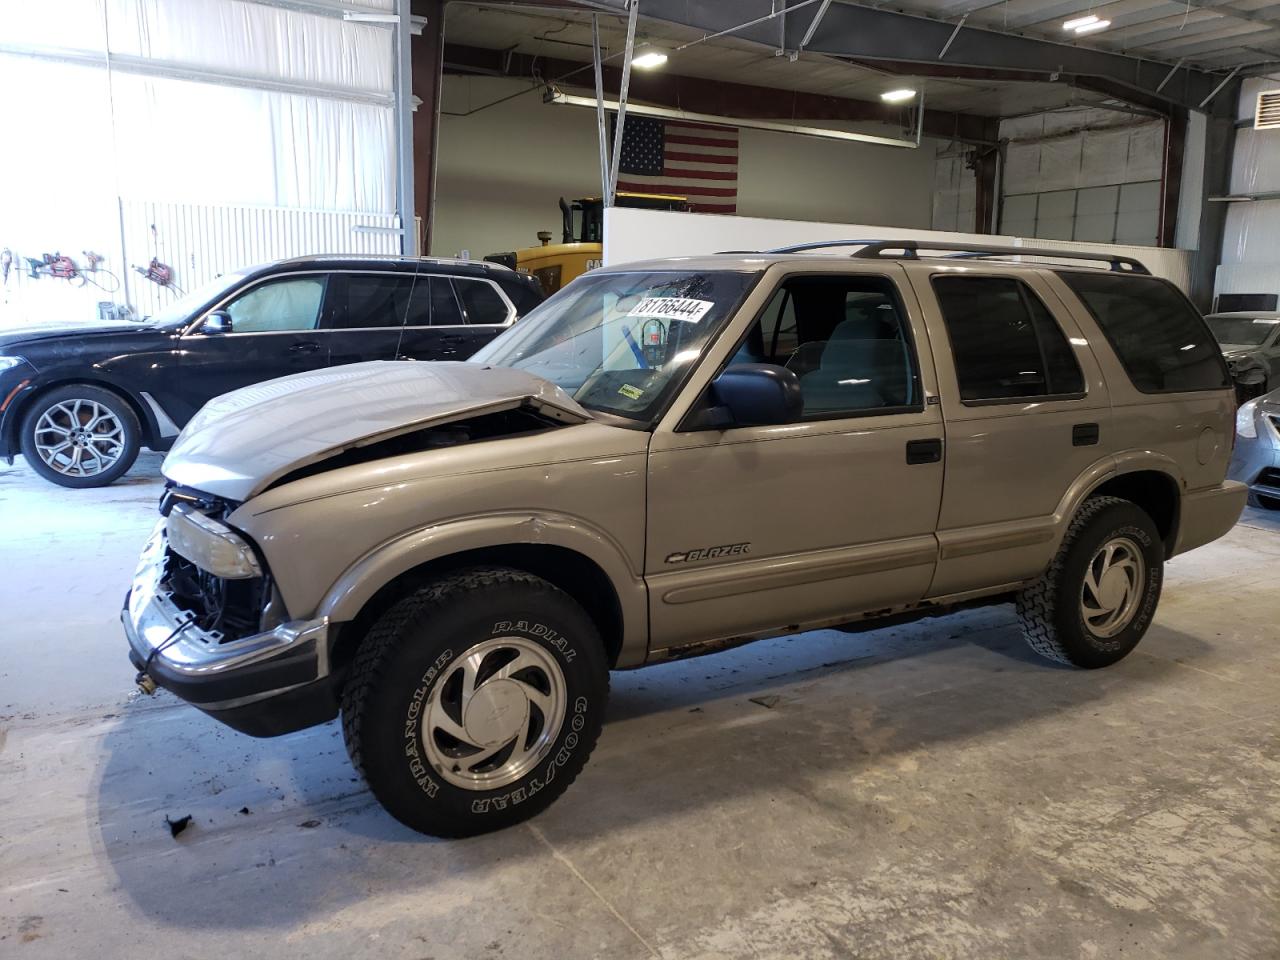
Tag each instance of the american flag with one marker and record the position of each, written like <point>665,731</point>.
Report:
<point>694,160</point>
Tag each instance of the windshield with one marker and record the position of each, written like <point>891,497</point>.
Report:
<point>1243,330</point>
<point>180,311</point>
<point>619,342</point>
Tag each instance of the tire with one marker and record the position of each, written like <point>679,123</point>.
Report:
<point>1064,614</point>
<point>406,699</point>
<point>98,431</point>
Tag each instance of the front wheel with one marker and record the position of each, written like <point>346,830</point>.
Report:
<point>475,701</point>
<point>81,436</point>
<point>1097,598</point>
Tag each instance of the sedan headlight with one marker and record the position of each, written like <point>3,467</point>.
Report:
<point>8,363</point>
<point>210,545</point>
<point>1246,422</point>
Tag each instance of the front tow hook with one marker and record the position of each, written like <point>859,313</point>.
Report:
<point>145,683</point>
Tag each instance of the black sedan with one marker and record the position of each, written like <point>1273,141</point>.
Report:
<point>79,402</point>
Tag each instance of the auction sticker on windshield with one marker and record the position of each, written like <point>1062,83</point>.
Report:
<point>672,308</point>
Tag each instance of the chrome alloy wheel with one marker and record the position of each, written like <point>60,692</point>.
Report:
<point>79,438</point>
<point>494,714</point>
<point>1114,582</point>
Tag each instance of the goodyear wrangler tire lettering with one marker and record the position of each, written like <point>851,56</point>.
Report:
<point>522,793</point>
<point>501,714</point>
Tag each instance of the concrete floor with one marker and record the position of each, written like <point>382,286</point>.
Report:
<point>924,791</point>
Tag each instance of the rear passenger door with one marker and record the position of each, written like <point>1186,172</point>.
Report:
<point>1027,414</point>
<point>373,311</point>
<point>757,527</point>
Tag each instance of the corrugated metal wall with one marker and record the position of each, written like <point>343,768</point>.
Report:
<point>201,242</point>
<point>1251,239</point>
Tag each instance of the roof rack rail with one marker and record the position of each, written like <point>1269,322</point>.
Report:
<point>910,249</point>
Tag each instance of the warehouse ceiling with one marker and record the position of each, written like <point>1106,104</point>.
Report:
<point>1206,33</point>
<point>1164,56</point>
<point>564,33</point>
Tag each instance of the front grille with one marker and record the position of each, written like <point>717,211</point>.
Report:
<point>226,609</point>
<point>1269,477</point>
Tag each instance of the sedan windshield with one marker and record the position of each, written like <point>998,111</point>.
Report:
<point>1246,331</point>
<point>180,311</point>
<point>620,342</point>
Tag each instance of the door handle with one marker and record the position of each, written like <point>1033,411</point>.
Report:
<point>924,451</point>
<point>306,346</point>
<point>1085,434</point>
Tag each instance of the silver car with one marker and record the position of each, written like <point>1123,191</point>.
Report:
<point>663,460</point>
<point>1251,345</point>
<point>1256,459</point>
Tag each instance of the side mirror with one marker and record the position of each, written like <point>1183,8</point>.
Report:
<point>752,395</point>
<point>217,322</point>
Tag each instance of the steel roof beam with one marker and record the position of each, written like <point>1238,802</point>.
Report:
<point>868,34</point>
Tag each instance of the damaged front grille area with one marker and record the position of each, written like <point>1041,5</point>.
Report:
<point>227,610</point>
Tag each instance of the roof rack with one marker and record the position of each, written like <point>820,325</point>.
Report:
<point>910,250</point>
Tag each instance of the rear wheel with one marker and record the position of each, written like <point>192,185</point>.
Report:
<point>1097,598</point>
<point>475,701</point>
<point>80,436</point>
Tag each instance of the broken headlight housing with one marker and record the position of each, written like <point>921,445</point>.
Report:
<point>210,545</point>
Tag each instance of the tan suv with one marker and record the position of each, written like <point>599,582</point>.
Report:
<point>665,459</point>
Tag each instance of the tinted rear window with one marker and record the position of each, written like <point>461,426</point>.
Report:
<point>1161,340</point>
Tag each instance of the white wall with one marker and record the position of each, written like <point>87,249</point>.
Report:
<point>650,234</point>
<point>502,169</point>
<point>86,143</point>
<point>1251,238</point>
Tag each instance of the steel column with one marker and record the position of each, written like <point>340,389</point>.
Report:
<point>603,130</point>
<point>404,131</point>
<point>612,185</point>
<point>428,67</point>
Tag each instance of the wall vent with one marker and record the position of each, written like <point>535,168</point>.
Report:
<point>1267,116</point>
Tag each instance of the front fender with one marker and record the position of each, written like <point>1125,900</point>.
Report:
<point>439,541</point>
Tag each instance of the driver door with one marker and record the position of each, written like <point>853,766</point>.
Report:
<point>755,529</point>
<point>274,332</point>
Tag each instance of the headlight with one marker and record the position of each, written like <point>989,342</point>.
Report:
<point>8,363</point>
<point>210,545</point>
<point>1246,425</point>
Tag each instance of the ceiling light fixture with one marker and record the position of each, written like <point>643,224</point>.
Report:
<point>649,58</point>
<point>897,96</point>
<point>555,95</point>
<point>1093,27</point>
<point>1079,22</point>
<point>1086,24</point>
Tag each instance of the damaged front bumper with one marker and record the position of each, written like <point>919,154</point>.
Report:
<point>263,685</point>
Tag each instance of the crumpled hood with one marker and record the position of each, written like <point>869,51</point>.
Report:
<point>241,442</point>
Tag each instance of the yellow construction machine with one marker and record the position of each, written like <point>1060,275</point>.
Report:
<point>555,264</point>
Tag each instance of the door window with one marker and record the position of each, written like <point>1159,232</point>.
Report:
<point>847,340</point>
<point>278,305</point>
<point>1005,342</point>
<point>481,303</point>
<point>445,311</point>
<point>386,300</point>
